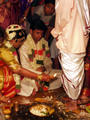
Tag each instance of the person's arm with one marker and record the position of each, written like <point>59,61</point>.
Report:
<point>9,59</point>
<point>26,73</point>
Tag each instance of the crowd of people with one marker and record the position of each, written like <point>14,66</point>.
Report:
<point>39,36</point>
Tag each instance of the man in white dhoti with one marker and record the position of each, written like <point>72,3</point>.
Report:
<point>72,18</point>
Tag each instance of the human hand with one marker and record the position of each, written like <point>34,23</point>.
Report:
<point>46,77</point>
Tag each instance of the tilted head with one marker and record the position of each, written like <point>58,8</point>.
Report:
<point>15,35</point>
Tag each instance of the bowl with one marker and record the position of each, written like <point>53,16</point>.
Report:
<point>41,112</point>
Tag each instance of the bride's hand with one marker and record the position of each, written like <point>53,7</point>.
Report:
<point>46,77</point>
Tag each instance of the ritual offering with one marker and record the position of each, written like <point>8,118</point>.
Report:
<point>35,111</point>
<point>42,112</point>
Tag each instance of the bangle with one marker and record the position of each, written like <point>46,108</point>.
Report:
<point>39,77</point>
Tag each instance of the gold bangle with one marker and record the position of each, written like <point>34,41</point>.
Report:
<point>39,77</point>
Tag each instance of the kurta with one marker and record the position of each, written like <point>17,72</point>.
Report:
<point>35,55</point>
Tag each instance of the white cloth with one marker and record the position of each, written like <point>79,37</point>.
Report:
<point>73,73</point>
<point>83,10</point>
<point>56,83</point>
<point>68,28</point>
<point>72,42</point>
<point>27,86</point>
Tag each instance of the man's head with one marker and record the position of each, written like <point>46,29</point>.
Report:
<point>15,35</point>
<point>49,7</point>
<point>37,30</point>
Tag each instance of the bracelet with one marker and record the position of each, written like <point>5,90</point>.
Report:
<point>39,77</point>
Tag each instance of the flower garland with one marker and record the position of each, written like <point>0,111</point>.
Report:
<point>35,54</point>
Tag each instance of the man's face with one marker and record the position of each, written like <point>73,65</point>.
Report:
<point>36,34</point>
<point>49,9</point>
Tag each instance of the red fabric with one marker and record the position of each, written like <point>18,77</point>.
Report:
<point>9,88</point>
<point>39,52</point>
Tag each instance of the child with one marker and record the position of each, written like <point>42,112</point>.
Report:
<point>10,69</point>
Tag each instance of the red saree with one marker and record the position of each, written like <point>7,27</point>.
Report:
<point>8,86</point>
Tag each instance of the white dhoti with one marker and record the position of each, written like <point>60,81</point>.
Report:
<point>73,73</point>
